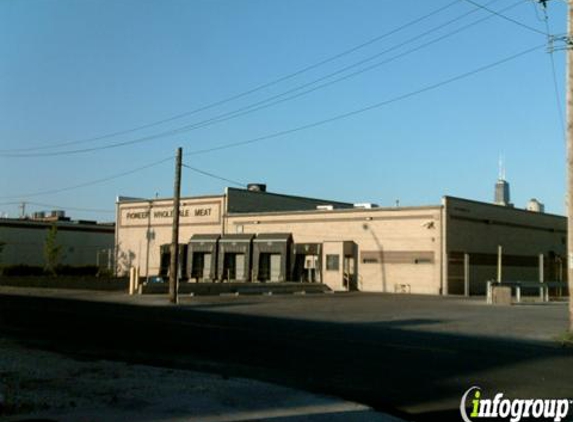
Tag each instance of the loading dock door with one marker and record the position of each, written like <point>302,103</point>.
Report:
<point>235,257</point>
<point>234,267</point>
<point>207,264</point>
<point>240,267</point>
<point>202,257</point>
<point>165,261</point>
<point>275,267</point>
<point>270,257</point>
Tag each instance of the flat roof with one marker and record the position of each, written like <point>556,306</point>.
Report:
<point>338,211</point>
<point>126,200</point>
<point>501,207</point>
<point>61,225</point>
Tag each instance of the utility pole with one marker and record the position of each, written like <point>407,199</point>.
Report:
<point>570,160</point>
<point>174,264</point>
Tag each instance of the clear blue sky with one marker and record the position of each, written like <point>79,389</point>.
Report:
<point>77,70</point>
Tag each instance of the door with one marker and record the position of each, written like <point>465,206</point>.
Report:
<point>229,267</point>
<point>164,262</point>
<point>275,267</point>
<point>197,266</point>
<point>310,265</point>
<point>207,266</point>
<point>349,282</point>
<point>239,267</point>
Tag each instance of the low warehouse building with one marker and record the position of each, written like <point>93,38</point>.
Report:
<point>256,236</point>
<point>82,243</point>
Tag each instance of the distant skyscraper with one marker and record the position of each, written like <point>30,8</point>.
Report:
<point>502,193</point>
<point>502,196</point>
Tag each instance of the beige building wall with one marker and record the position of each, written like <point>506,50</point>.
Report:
<point>425,250</point>
<point>143,226</point>
<point>398,250</point>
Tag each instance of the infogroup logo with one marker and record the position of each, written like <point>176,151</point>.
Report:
<point>512,409</point>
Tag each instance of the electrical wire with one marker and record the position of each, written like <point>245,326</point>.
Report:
<point>289,131</point>
<point>214,176</point>
<point>555,83</point>
<point>368,108</point>
<point>263,104</point>
<point>516,22</point>
<point>90,183</point>
<point>247,92</point>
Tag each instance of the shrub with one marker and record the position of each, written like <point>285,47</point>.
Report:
<point>83,270</point>
<point>21,270</point>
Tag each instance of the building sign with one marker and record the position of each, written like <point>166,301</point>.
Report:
<point>157,215</point>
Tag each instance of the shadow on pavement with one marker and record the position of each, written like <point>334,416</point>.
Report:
<point>412,374</point>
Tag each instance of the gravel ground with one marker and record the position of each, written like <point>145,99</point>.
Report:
<point>46,386</point>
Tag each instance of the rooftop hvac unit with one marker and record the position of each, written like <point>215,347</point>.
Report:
<point>257,187</point>
<point>58,213</point>
<point>535,206</point>
<point>39,215</point>
<point>366,206</point>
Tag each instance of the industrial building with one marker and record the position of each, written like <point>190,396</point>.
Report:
<point>251,235</point>
<point>82,242</point>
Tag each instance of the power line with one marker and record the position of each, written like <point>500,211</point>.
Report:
<point>290,131</point>
<point>90,183</point>
<point>264,103</point>
<point>247,92</point>
<point>516,22</point>
<point>214,176</point>
<point>554,76</point>
<point>368,108</point>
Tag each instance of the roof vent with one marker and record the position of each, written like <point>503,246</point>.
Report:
<point>257,187</point>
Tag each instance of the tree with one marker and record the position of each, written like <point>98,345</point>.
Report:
<point>52,251</point>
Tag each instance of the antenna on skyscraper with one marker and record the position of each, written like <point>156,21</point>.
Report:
<point>501,168</point>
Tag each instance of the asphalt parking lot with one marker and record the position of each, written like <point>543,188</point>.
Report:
<point>410,356</point>
<point>527,321</point>
<point>530,320</point>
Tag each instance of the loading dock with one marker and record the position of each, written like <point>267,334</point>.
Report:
<point>165,261</point>
<point>235,257</point>
<point>306,262</point>
<point>270,257</point>
<point>202,257</point>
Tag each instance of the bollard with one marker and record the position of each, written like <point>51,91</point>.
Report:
<point>136,281</point>
<point>132,273</point>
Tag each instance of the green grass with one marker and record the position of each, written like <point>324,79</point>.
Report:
<point>565,339</point>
